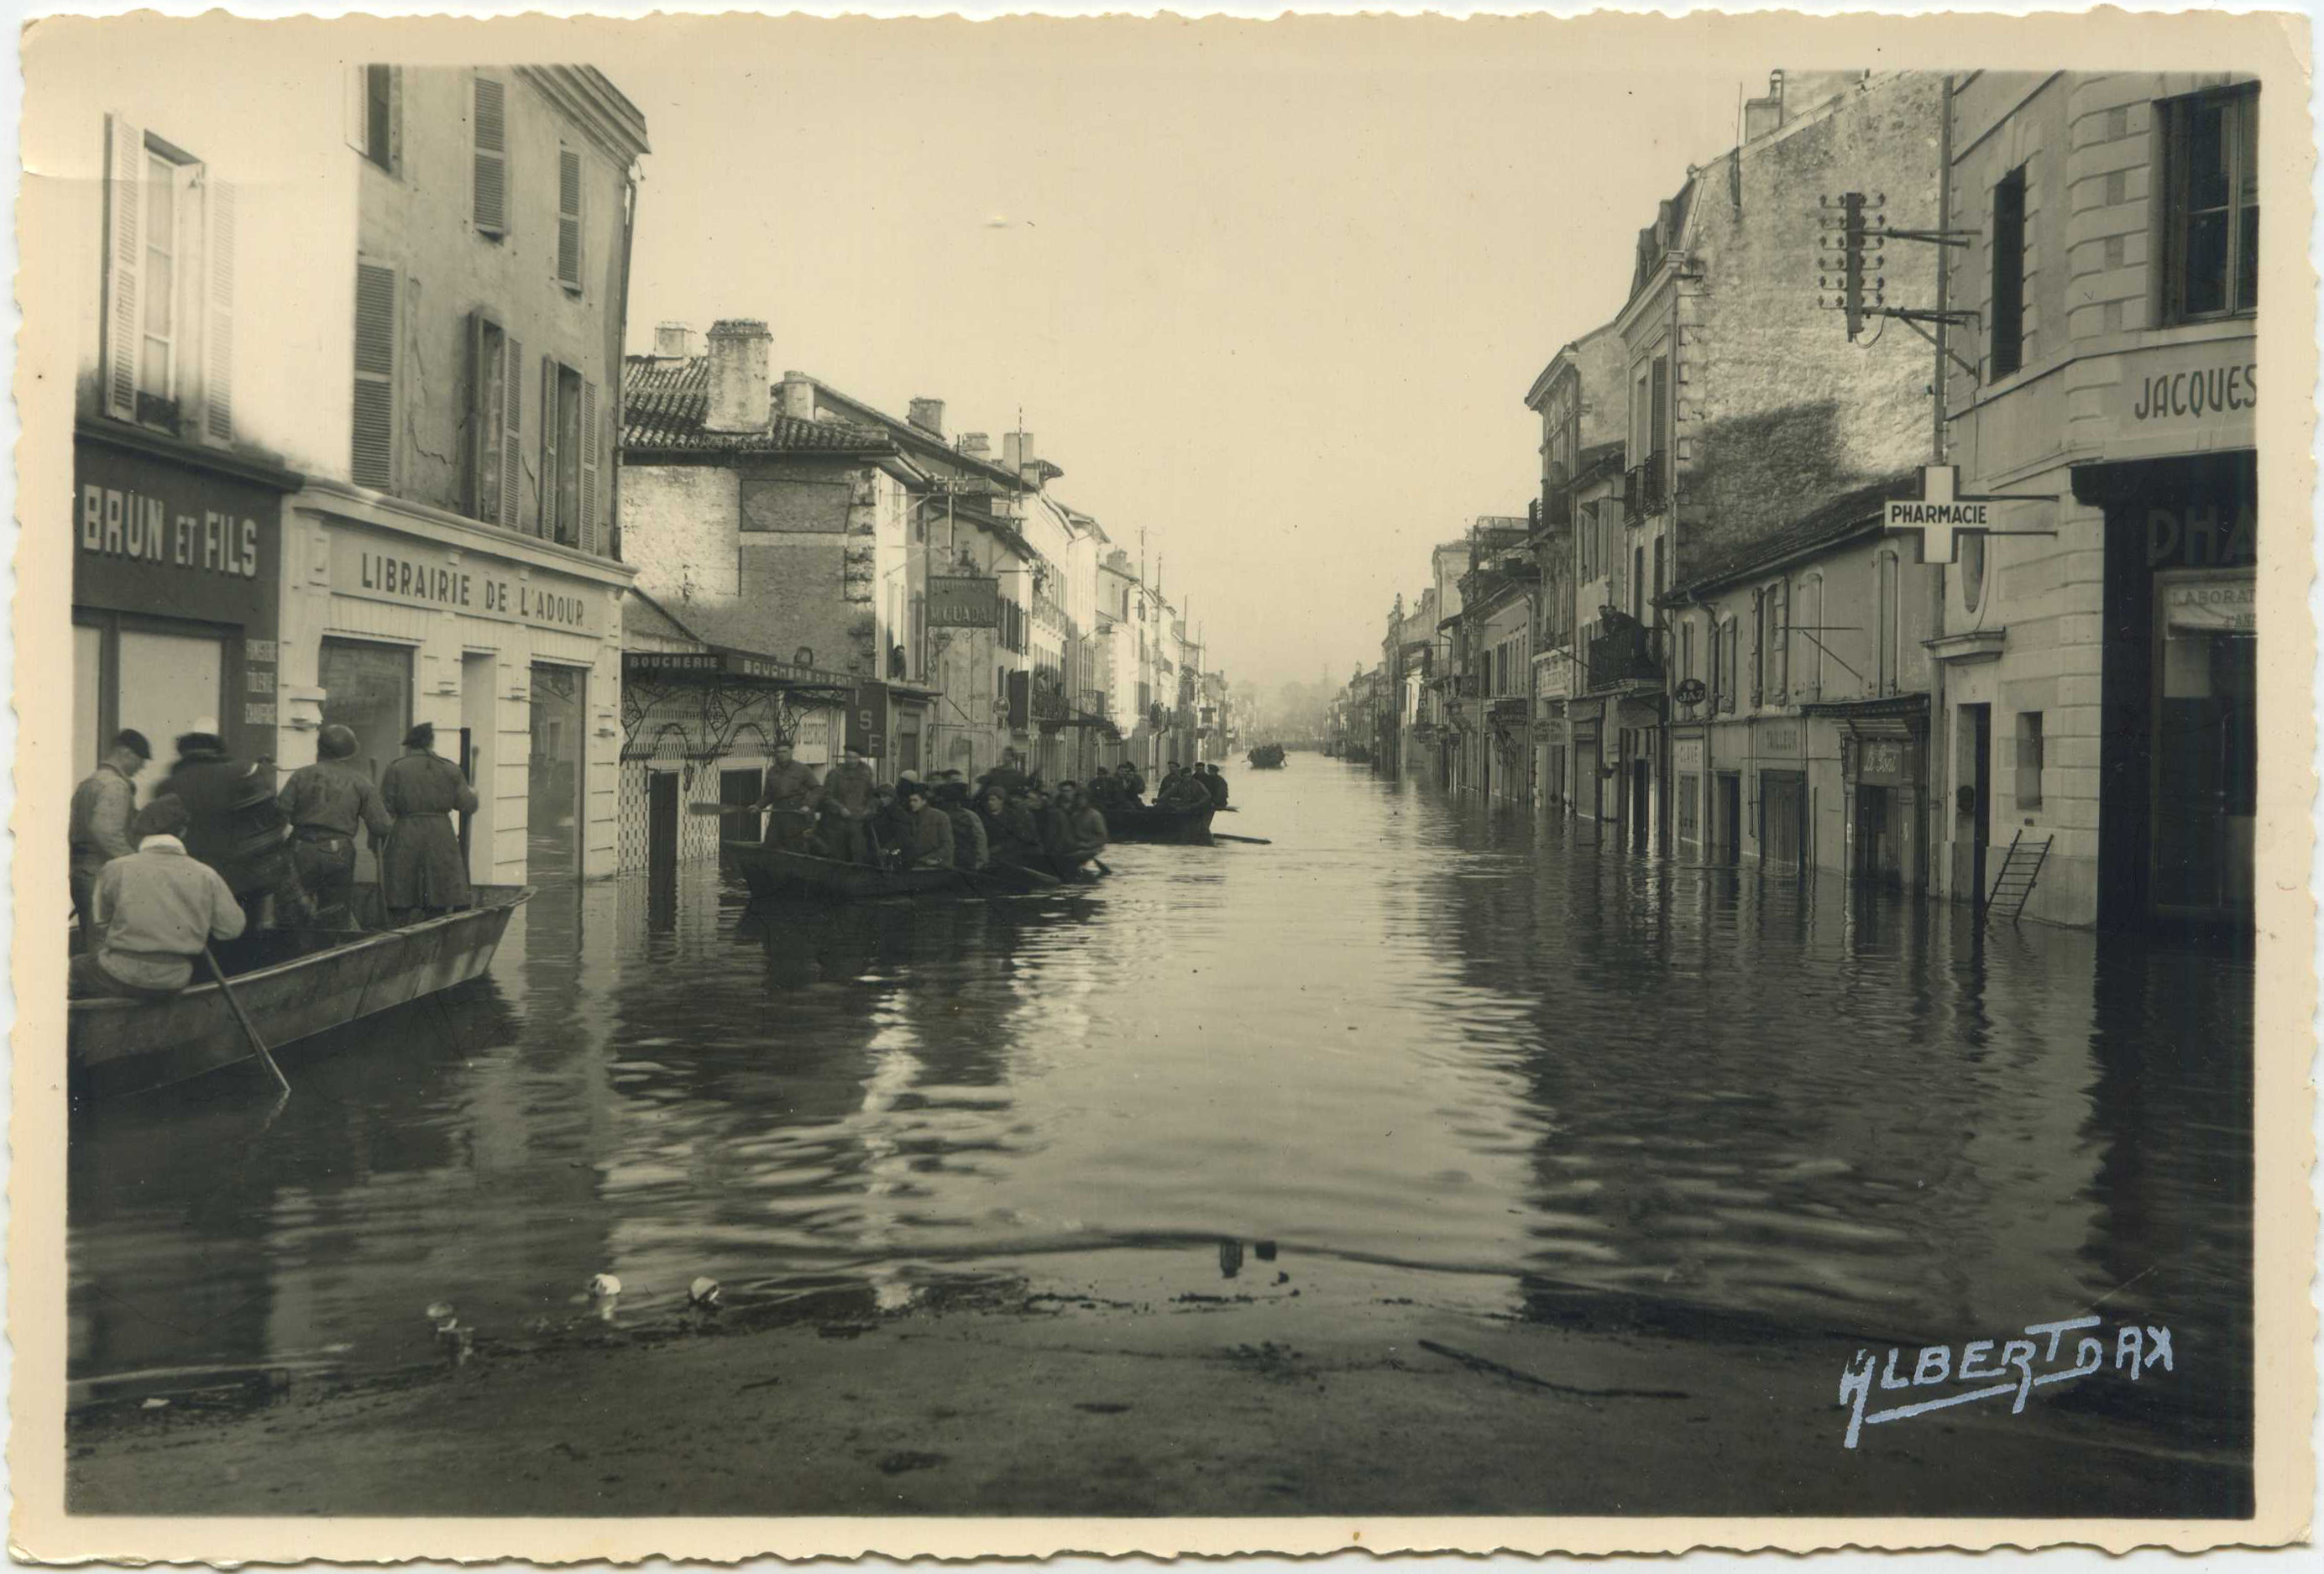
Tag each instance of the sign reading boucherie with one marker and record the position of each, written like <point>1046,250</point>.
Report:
<point>964,601</point>
<point>422,574</point>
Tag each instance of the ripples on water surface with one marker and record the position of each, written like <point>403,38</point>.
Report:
<point>1426,1048</point>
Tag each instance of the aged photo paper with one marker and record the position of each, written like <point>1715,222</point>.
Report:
<point>985,788</point>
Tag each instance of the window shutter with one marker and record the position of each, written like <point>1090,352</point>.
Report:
<point>480,424</point>
<point>218,329</point>
<point>608,456</point>
<point>584,529</point>
<point>568,218</point>
<point>492,156</point>
<point>358,97</point>
<point>125,215</point>
<point>1758,645</point>
<point>548,474</point>
<point>374,460</point>
<point>1783,647</point>
<point>1661,406</point>
<point>513,434</point>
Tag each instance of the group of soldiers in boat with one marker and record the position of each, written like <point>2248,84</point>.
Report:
<point>219,849</point>
<point>1007,817</point>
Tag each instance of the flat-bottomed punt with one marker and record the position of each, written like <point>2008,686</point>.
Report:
<point>1152,823</point>
<point>302,982</point>
<point>774,874</point>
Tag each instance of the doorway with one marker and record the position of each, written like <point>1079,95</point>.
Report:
<point>1973,796</point>
<point>1641,800</point>
<point>367,689</point>
<point>1783,820</point>
<point>553,776</point>
<point>661,824</point>
<point>1730,828</point>
<point>480,729</point>
<point>1876,836</point>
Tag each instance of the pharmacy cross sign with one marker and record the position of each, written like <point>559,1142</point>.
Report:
<point>1942,513</point>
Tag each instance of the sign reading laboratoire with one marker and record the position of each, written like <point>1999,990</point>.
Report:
<point>1942,511</point>
<point>2213,606</point>
<point>174,540</point>
<point>964,601</point>
<point>421,573</point>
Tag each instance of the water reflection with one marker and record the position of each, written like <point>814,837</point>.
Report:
<point>1524,1070</point>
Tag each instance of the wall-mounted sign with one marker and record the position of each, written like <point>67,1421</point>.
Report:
<point>2217,606</point>
<point>1686,755</point>
<point>1691,691</point>
<point>2206,537</point>
<point>174,540</point>
<point>422,574</point>
<point>1888,761</point>
<point>2206,386</point>
<point>964,601</point>
<point>1779,737</point>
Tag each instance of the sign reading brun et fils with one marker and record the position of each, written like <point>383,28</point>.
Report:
<point>2001,1367</point>
<point>421,573</point>
<point>118,523</point>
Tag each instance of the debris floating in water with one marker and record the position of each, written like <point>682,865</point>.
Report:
<point>442,1315</point>
<point>703,1291</point>
<point>604,1284</point>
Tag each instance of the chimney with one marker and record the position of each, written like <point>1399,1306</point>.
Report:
<point>672,339</point>
<point>1762,115</point>
<point>798,396</point>
<point>738,376</point>
<point>975,445</point>
<point>928,414</point>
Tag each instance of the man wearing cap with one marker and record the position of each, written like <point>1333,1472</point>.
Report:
<point>235,824</point>
<point>789,796</point>
<point>325,802</point>
<point>930,827</point>
<point>157,910</point>
<point>421,874</point>
<point>102,807</point>
<point>846,800</point>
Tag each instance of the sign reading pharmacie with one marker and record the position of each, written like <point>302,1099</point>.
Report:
<point>424,573</point>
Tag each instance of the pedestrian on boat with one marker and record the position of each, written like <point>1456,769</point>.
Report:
<point>847,803</point>
<point>1009,776</point>
<point>971,848</point>
<point>787,798</point>
<point>1052,822</point>
<point>1213,783</point>
<point>325,802</point>
<point>932,841</point>
<point>156,911</point>
<point>103,805</point>
<point>421,875</point>
<point>1133,785</point>
<point>1086,823</point>
<point>889,827</point>
<point>1184,793</point>
<point>236,825</point>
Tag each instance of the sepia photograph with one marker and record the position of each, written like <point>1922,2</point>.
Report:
<point>1329,770</point>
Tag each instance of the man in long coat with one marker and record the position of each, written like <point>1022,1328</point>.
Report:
<point>846,801</point>
<point>421,874</point>
<point>103,805</point>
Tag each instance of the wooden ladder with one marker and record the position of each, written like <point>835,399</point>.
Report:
<point>2020,867</point>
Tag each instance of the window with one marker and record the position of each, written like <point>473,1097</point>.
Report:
<point>375,114</point>
<point>168,287</point>
<point>2029,759</point>
<point>1759,604</point>
<point>2211,236</point>
<point>2009,273</point>
<point>1686,650</point>
<point>1638,583</point>
<point>373,462</point>
<point>1689,821</point>
<point>490,192</point>
<point>1812,652</point>
<point>1884,624</point>
<point>495,407</point>
<point>1659,408</point>
<point>1972,568</point>
<point>571,499</point>
<point>1732,663</point>
<point>1779,637</point>
<point>569,219</point>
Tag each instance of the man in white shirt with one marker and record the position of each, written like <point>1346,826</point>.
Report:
<point>157,910</point>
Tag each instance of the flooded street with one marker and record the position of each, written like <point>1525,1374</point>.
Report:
<point>1416,1048</point>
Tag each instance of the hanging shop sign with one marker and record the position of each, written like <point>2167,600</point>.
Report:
<point>421,573</point>
<point>964,601</point>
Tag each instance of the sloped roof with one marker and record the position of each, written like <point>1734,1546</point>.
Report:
<point>666,399</point>
<point>1843,517</point>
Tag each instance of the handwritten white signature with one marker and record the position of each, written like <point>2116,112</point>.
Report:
<point>2136,1349</point>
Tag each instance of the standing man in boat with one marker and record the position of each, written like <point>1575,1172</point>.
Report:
<point>103,805</point>
<point>970,848</point>
<point>931,828</point>
<point>421,874</point>
<point>1184,793</point>
<point>789,796</point>
<point>1086,823</point>
<point>1213,783</point>
<point>235,823</point>
<point>325,802</point>
<point>1008,777</point>
<point>846,801</point>
<point>158,909</point>
<point>1133,785</point>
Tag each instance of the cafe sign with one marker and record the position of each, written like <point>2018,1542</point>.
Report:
<point>421,573</point>
<point>964,601</point>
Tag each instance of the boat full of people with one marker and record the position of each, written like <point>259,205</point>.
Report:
<point>1266,756</point>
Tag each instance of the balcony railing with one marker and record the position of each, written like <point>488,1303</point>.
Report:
<point>1630,654</point>
<point>1646,488</point>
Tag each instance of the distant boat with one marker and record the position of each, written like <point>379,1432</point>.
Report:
<point>1266,756</point>
<point>304,982</point>
<point>772,873</point>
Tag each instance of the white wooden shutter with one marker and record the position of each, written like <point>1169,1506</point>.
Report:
<point>568,218</point>
<point>548,473</point>
<point>584,529</point>
<point>217,312</point>
<point>491,157</point>
<point>373,462</point>
<point>513,439</point>
<point>125,203</point>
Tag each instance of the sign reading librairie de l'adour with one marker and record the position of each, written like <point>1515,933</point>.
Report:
<point>421,573</point>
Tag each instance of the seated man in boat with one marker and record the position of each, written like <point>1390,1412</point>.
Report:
<point>1086,823</point>
<point>931,844</point>
<point>969,849</point>
<point>158,910</point>
<point>889,827</point>
<point>1214,783</point>
<point>1104,790</point>
<point>1184,793</point>
<point>1007,778</point>
<point>421,874</point>
<point>235,823</point>
<point>1133,785</point>
<point>1053,827</point>
<point>788,798</point>
<point>103,805</point>
<point>845,804</point>
<point>325,802</point>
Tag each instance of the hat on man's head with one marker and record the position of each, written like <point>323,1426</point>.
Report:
<point>334,741</point>
<point>421,736</point>
<point>131,739</point>
<point>200,742</point>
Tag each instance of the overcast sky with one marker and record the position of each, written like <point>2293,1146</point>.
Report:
<point>1274,305</point>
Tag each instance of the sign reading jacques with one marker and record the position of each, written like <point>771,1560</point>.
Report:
<point>423,574</point>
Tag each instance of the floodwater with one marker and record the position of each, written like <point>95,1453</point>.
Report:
<point>1417,1047</point>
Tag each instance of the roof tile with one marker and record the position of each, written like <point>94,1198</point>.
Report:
<point>665,400</point>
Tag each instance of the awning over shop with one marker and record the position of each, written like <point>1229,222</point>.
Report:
<point>1081,719</point>
<point>706,695</point>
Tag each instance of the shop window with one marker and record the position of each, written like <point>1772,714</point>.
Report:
<point>489,211</point>
<point>2211,218</point>
<point>2029,759</point>
<point>367,689</point>
<point>162,678</point>
<point>2009,273</point>
<point>495,407</point>
<point>168,287</point>
<point>1690,827</point>
<point>569,219</point>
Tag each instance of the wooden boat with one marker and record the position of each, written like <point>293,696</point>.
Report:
<point>294,983</point>
<point>772,873</point>
<point>1266,756</point>
<point>1152,823</point>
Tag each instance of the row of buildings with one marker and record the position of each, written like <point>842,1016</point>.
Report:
<point>356,440</point>
<point>1711,638</point>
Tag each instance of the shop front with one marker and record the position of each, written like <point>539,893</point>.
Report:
<point>1884,752</point>
<point>1691,816</point>
<point>1591,794</point>
<point>176,585</point>
<point>2179,754</point>
<point>1512,750</point>
<point>1783,821</point>
<point>511,646</point>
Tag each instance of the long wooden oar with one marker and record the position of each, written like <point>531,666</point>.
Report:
<point>249,1028</point>
<point>1254,841</point>
<point>724,809</point>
